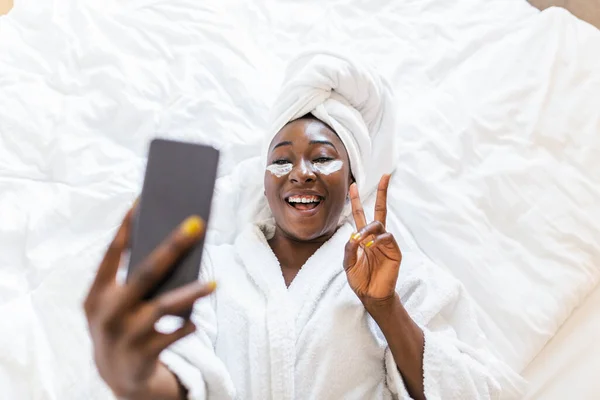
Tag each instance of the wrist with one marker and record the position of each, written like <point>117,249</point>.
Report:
<point>162,384</point>
<point>394,321</point>
<point>382,309</point>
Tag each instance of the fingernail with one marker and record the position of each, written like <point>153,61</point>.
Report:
<point>355,236</point>
<point>369,244</point>
<point>192,226</point>
<point>212,285</point>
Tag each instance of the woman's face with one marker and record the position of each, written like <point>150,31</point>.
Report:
<point>307,179</point>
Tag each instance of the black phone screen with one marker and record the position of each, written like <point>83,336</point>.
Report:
<point>179,182</point>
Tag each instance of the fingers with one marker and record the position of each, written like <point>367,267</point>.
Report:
<point>381,202</point>
<point>359,238</point>
<point>384,239</point>
<point>161,341</point>
<point>357,209</point>
<point>367,232</point>
<point>388,245</point>
<point>170,303</point>
<point>351,253</point>
<point>366,237</point>
<point>180,300</point>
<point>161,260</point>
<point>110,264</point>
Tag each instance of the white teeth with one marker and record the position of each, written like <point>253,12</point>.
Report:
<point>304,199</point>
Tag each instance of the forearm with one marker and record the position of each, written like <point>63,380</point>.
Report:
<point>162,386</point>
<point>405,340</point>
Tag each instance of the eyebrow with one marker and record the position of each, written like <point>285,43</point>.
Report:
<point>325,142</point>
<point>282,144</point>
<point>288,143</point>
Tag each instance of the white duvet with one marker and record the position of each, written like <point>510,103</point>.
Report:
<point>499,179</point>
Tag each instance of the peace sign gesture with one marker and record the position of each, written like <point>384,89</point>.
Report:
<point>372,256</point>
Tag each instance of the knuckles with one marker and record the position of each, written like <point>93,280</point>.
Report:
<point>373,227</point>
<point>160,308</point>
<point>378,226</point>
<point>111,327</point>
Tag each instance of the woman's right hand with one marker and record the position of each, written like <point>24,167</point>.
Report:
<point>121,323</point>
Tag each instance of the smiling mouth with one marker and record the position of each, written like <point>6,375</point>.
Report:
<point>304,203</point>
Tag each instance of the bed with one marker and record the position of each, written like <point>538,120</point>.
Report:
<point>568,366</point>
<point>498,180</point>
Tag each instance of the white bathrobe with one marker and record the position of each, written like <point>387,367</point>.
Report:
<point>258,339</point>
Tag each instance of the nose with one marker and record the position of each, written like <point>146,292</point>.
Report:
<point>302,173</point>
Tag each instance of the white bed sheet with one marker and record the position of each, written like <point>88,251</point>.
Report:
<point>569,365</point>
<point>85,85</point>
<point>508,141</point>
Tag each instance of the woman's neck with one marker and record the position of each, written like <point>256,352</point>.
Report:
<point>292,254</point>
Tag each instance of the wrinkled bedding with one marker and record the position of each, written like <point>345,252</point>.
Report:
<point>498,179</point>
<point>568,365</point>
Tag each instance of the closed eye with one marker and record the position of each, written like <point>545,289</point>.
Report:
<point>322,160</point>
<point>281,162</point>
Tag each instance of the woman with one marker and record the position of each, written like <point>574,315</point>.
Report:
<point>308,306</point>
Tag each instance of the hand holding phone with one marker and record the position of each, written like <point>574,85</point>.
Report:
<point>122,318</point>
<point>121,323</point>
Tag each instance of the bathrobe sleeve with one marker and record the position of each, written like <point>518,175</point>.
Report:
<point>193,359</point>
<point>457,363</point>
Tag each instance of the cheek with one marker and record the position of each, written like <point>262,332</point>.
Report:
<point>271,184</point>
<point>338,188</point>
<point>268,184</point>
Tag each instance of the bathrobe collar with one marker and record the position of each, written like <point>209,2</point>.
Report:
<point>312,279</point>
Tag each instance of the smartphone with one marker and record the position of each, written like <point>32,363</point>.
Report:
<point>179,182</point>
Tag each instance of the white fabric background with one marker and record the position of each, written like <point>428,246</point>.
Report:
<point>568,366</point>
<point>499,180</point>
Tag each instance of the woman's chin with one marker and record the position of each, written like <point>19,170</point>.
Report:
<point>305,228</point>
<point>309,233</point>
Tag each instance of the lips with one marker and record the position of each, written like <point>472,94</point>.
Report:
<point>305,203</point>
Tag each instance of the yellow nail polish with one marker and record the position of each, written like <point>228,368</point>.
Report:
<point>192,226</point>
<point>356,236</point>
<point>212,285</point>
<point>369,244</point>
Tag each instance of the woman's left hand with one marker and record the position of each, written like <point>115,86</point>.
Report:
<point>372,257</point>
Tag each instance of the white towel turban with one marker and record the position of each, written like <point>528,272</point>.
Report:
<point>349,97</point>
